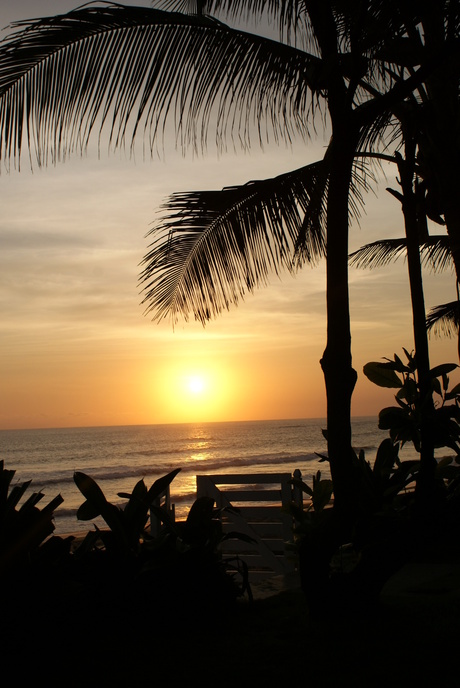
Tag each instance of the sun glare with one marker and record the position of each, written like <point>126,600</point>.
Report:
<point>194,393</point>
<point>196,384</point>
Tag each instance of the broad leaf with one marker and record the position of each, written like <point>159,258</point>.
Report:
<point>160,485</point>
<point>382,374</point>
<point>385,458</point>
<point>443,369</point>
<point>454,392</point>
<point>302,486</point>
<point>87,511</point>
<point>90,489</point>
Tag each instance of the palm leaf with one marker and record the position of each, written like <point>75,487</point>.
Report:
<point>444,319</point>
<point>361,178</point>
<point>378,253</point>
<point>284,12</point>
<point>123,69</point>
<point>434,253</point>
<point>211,247</point>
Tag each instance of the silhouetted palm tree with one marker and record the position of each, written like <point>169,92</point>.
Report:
<point>412,197</point>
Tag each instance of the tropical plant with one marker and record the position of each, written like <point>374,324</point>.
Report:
<point>192,550</point>
<point>404,421</point>
<point>432,111</point>
<point>427,176</point>
<point>438,117</point>
<point>432,116</point>
<point>346,576</point>
<point>25,529</point>
<point>33,563</point>
<point>445,320</point>
<point>127,524</point>
<point>180,568</point>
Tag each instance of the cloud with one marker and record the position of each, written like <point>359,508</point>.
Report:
<point>22,240</point>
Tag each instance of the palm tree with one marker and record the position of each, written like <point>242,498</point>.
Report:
<point>413,205</point>
<point>126,70</point>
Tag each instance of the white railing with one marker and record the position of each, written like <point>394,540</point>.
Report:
<point>256,502</point>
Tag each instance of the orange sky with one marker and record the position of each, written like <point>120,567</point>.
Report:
<point>76,349</point>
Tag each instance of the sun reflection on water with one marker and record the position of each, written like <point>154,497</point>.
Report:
<point>201,456</point>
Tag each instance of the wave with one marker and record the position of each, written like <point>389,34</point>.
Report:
<point>192,466</point>
<point>292,426</point>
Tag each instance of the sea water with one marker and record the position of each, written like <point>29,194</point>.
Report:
<point>118,457</point>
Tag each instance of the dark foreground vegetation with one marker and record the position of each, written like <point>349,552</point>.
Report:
<point>270,642</point>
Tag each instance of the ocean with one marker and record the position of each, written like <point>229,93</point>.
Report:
<point>117,457</point>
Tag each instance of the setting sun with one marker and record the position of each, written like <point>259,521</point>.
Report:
<point>196,384</point>
<point>194,391</point>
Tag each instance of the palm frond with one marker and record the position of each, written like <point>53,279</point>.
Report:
<point>378,253</point>
<point>289,16</point>
<point>444,319</point>
<point>435,253</point>
<point>362,178</point>
<point>362,181</point>
<point>212,247</point>
<point>124,69</point>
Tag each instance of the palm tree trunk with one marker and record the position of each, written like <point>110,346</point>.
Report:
<point>340,377</point>
<point>426,480</point>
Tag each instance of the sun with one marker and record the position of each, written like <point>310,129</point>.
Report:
<point>193,392</point>
<point>196,384</point>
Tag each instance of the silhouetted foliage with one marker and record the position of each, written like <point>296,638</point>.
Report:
<point>344,566</point>
<point>120,577</point>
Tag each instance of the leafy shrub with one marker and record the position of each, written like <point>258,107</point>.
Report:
<point>345,559</point>
<point>24,528</point>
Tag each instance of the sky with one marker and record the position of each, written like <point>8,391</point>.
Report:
<point>76,348</point>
